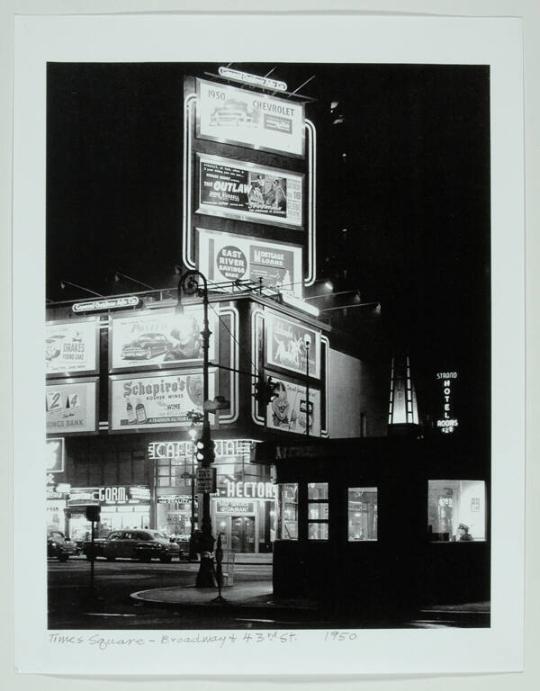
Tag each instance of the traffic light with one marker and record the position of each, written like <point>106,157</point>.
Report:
<point>205,450</point>
<point>93,513</point>
<point>266,391</point>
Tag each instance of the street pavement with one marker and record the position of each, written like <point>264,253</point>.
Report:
<point>135,595</point>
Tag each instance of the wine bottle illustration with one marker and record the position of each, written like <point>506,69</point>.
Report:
<point>140,412</point>
<point>131,417</point>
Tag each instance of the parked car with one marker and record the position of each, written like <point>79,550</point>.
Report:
<point>143,545</point>
<point>60,546</point>
<point>146,346</point>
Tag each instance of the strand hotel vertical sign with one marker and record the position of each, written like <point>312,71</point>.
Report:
<point>235,115</point>
<point>447,421</point>
<point>248,192</point>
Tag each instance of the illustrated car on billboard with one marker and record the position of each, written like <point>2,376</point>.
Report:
<point>232,113</point>
<point>146,346</point>
<point>143,545</point>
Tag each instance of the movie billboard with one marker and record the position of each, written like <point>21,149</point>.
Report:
<point>71,406</point>
<point>235,115</point>
<point>248,192</point>
<point>155,401</point>
<point>225,257</point>
<point>72,346</point>
<point>290,410</point>
<point>288,344</point>
<point>158,338</point>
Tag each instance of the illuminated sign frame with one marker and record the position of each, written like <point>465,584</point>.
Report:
<point>188,256</point>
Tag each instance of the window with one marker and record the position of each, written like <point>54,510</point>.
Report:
<point>362,509</point>
<point>318,511</point>
<point>288,511</point>
<point>457,510</point>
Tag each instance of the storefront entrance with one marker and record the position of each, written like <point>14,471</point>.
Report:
<point>237,532</point>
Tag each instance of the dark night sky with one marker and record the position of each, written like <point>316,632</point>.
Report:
<point>413,190</point>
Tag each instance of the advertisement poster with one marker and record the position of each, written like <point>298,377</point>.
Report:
<point>236,115</point>
<point>158,337</point>
<point>287,412</point>
<point>55,455</point>
<point>288,343</point>
<point>155,401</point>
<point>71,407</point>
<point>71,346</point>
<point>249,192</point>
<point>226,257</point>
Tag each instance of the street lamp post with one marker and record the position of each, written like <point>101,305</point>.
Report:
<point>307,343</point>
<point>192,436</point>
<point>194,282</point>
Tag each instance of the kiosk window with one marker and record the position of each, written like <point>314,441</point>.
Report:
<point>318,511</point>
<point>362,507</point>
<point>457,510</point>
<point>288,511</point>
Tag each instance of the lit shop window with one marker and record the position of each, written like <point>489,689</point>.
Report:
<point>362,511</point>
<point>318,511</point>
<point>288,511</point>
<point>457,510</point>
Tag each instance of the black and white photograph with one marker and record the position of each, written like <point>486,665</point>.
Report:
<point>269,352</point>
<point>327,460</point>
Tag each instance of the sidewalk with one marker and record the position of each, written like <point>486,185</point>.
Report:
<point>247,594</point>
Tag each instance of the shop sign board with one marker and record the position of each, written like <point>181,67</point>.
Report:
<point>71,406</point>
<point>54,454</point>
<point>286,346</point>
<point>234,506</point>
<point>110,495</point>
<point>158,338</point>
<point>151,402</point>
<point>224,257</point>
<point>107,304</point>
<point>447,421</point>
<point>288,411</point>
<point>253,79</point>
<point>72,346</point>
<point>250,490</point>
<point>238,116</point>
<point>206,480</point>
<point>249,192</point>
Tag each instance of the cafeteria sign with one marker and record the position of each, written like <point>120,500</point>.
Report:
<point>233,189</point>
